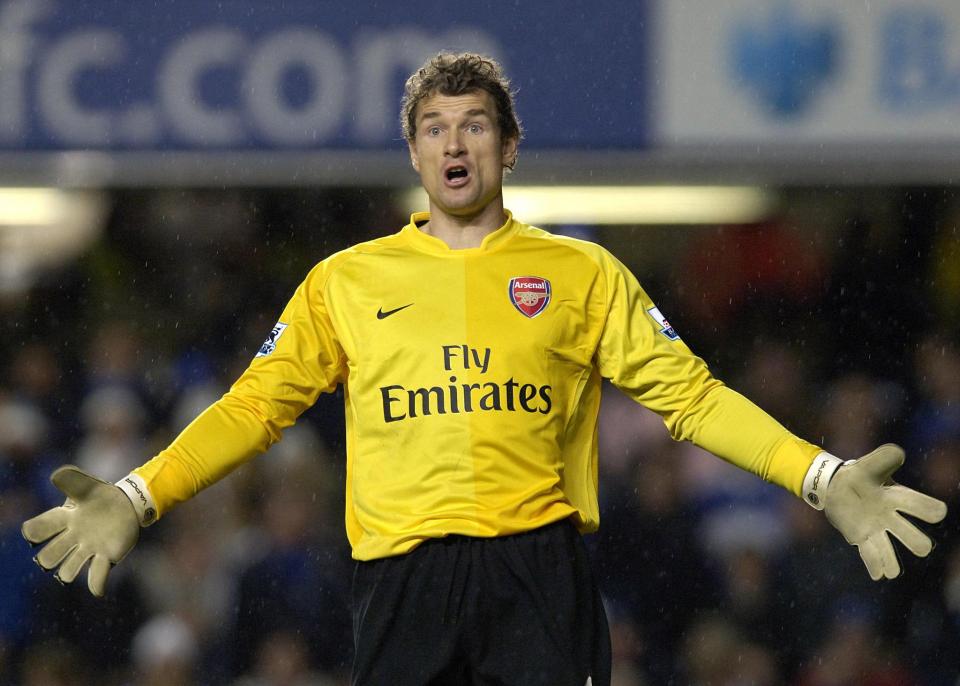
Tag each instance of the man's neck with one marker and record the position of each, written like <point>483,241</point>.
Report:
<point>465,232</point>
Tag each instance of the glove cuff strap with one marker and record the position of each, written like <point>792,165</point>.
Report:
<point>818,476</point>
<point>136,490</point>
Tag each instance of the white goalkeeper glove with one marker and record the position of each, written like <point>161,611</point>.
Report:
<point>97,523</point>
<point>865,504</point>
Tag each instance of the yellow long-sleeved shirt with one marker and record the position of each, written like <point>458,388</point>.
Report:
<point>472,387</point>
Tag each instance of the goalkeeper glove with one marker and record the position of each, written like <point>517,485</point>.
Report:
<point>97,523</point>
<point>865,504</point>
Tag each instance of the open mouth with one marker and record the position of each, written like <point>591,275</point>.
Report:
<point>456,176</point>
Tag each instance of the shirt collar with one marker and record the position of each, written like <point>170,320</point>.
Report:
<point>492,241</point>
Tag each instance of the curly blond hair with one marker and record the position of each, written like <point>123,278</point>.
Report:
<point>455,74</point>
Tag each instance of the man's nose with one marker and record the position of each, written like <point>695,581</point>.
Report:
<point>454,144</point>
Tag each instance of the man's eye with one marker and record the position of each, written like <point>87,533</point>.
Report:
<point>475,128</point>
<point>433,131</point>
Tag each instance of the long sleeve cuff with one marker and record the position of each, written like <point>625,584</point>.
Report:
<point>136,489</point>
<point>818,477</point>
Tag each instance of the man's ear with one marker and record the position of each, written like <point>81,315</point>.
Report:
<point>414,159</point>
<point>510,151</point>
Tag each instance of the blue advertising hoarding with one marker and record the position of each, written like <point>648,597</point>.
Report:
<point>188,75</point>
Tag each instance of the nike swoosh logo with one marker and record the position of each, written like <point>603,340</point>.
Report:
<point>383,315</point>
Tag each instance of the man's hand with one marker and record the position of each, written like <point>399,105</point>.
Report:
<point>865,504</point>
<point>97,522</point>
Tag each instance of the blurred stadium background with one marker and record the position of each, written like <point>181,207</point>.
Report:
<point>780,175</point>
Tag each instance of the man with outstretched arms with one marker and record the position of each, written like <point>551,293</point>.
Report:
<point>471,347</point>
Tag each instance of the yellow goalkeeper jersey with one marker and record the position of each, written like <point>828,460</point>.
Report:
<point>472,387</point>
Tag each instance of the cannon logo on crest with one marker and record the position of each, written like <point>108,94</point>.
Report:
<point>529,294</point>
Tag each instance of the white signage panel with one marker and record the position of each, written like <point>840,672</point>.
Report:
<point>817,71</point>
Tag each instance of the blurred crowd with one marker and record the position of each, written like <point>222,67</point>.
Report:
<point>847,332</point>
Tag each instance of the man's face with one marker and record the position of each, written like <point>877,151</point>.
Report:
<point>459,153</point>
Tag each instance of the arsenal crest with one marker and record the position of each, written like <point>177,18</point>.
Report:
<point>529,294</point>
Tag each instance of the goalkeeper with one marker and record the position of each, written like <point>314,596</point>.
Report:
<point>472,347</point>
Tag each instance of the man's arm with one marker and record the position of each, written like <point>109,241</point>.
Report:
<point>643,356</point>
<point>301,358</point>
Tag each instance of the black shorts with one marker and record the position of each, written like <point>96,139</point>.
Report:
<point>521,609</point>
